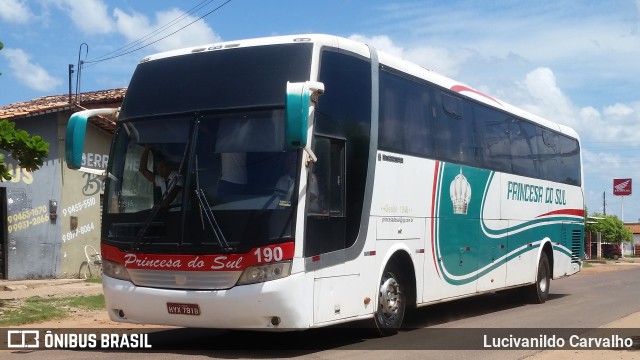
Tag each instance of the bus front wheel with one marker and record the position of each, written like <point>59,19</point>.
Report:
<point>538,293</point>
<point>392,300</point>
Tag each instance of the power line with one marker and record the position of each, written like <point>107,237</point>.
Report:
<point>157,30</point>
<point>122,52</point>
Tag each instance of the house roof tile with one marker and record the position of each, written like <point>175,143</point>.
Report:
<point>634,228</point>
<point>56,103</point>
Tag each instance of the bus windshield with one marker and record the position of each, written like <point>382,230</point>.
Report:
<point>223,179</point>
<point>198,161</point>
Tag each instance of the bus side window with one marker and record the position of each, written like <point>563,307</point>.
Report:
<point>326,179</point>
<point>454,132</point>
<point>326,220</point>
<point>336,179</point>
<point>524,148</point>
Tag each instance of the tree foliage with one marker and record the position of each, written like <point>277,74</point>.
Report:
<point>30,151</point>
<point>612,229</point>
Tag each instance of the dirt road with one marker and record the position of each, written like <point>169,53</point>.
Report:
<point>15,292</point>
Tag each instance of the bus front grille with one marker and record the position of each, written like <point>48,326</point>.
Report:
<point>186,280</point>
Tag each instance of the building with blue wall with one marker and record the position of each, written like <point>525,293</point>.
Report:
<point>48,217</point>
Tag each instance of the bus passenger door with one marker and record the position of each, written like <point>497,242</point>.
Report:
<point>326,221</point>
<point>325,235</point>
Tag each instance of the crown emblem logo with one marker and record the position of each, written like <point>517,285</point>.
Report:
<point>460,192</point>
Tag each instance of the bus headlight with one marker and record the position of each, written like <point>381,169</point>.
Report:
<point>115,270</point>
<point>265,272</point>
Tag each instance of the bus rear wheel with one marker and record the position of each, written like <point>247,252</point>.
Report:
<point>392,300</point>
<point>538,293</point>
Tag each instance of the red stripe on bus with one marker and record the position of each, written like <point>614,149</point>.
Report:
<point>572,212</point>
<point>461,88</point>
<point>199,262</point>
<point>433,214</point>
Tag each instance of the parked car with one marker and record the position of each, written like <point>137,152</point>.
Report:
<point>611,251</point>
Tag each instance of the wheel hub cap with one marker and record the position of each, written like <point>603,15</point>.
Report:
<point>389,295</point>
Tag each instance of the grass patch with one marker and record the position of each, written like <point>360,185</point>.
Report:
<point>94,280</point>
<point>91,302</point>
<point>37,309</point>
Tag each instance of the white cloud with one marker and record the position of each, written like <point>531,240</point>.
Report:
<point>32,75</point>
<point>618,111</point>
<point>90,16</point>
<point>540,94</point>
<point>438,59</point>
<point>137,25</point>
<point>14,11</point>
<point>617,123</point>
<point>380,42</point>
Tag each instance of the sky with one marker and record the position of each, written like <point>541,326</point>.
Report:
<point>573,62</point>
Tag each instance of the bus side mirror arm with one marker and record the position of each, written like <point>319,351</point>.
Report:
<point>317,89</point>
<point>98,172</point>
<point>312,156</point>
<point>76,133</point>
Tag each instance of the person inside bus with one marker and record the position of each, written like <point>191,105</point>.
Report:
<point>233,180</point>
<point>285,185</point>
<point>286,182</point>
<point>315,201</point>
<point>165,175</point>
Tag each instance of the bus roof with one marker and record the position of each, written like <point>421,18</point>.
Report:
<point>384,58</point>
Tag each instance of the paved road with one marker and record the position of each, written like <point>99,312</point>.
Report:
<point>582,301</point>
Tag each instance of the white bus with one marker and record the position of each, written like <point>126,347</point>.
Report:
<point>296,182</point>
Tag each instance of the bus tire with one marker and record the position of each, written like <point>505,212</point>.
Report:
<point>392,301</point>
<point>538,293</point>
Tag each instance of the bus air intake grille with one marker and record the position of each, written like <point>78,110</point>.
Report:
<point>193,280</point>
<point>576,245</point>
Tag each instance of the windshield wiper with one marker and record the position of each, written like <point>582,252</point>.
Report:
<point>205,209</point>
<point>165,199</point>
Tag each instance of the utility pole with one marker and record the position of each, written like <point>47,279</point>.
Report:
<point>604,203</point>
<point>70,79</point>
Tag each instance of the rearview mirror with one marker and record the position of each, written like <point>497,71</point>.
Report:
<point>297,104</point>
<point>76,133</point>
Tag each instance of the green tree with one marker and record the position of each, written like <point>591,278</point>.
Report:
<point>612,229</point>
<point>30,151</point>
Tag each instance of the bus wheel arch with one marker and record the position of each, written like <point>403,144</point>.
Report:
<point>396,293</point>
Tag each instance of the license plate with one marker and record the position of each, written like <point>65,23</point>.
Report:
<point>183,309</point>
